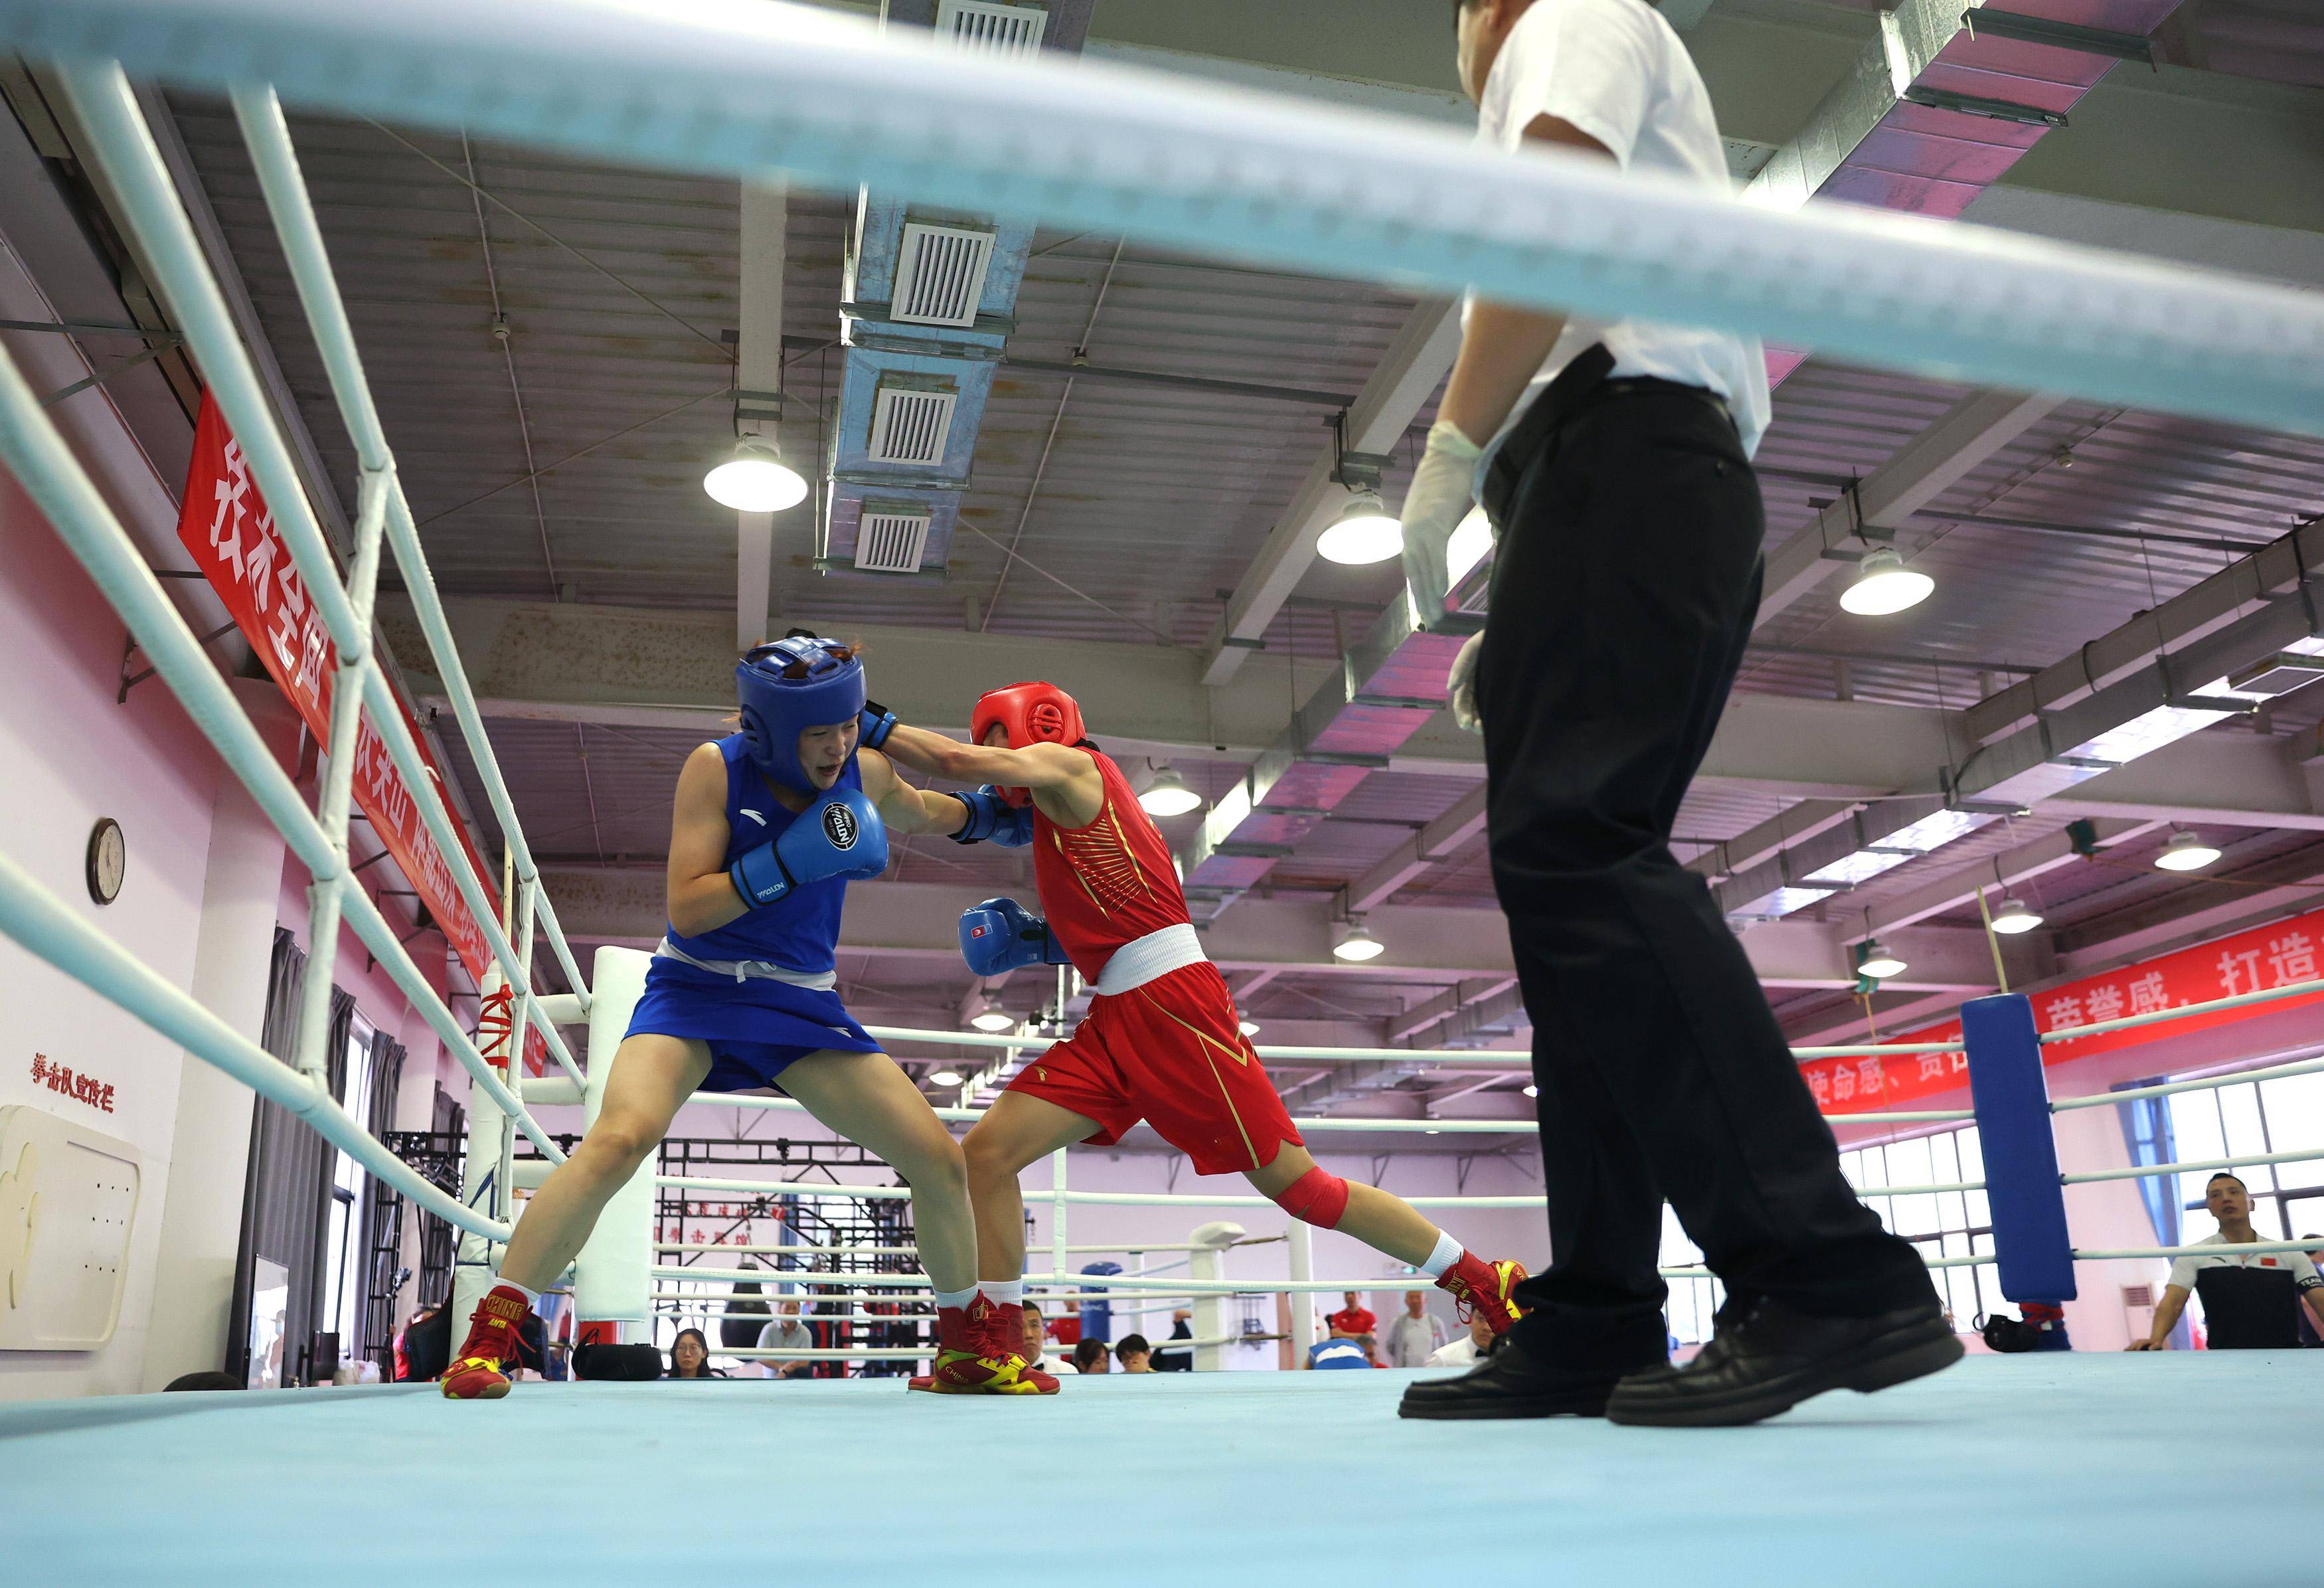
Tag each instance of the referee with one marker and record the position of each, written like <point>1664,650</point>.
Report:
<point>1614,460</point>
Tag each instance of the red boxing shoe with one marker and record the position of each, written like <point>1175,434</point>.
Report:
<point>475,1373</point>
<point>1477,1287</point>
<point>972,1360</point>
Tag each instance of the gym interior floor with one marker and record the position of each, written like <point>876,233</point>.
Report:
<point>2055,1470</point>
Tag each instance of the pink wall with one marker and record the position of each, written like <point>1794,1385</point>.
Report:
<point>68,754</point>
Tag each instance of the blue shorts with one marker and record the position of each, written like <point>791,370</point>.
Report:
<point>755,1028</point>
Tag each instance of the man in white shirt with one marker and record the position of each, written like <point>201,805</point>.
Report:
<point>1467,1351</point>
<point>1613,459</point>
<point>2250,1299</point>
<point>787,1333</point>
<point>1413,1336</point>
<point>1036,1345</point>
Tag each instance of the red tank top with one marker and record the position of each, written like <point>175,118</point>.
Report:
<point>1108,883</point>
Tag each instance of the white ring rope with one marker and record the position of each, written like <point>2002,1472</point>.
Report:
<point>2184,1011</point>
<point>2308,1067</point>
<point>2215,1249</point>
<point>2193,1166</point>
<point>736,89</point>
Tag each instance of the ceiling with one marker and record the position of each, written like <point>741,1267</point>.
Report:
<point>551,346</point>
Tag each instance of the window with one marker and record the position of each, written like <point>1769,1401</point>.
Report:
<point>344,1265</point>
<point>2253,1119</point>
<point>1939,1224</point>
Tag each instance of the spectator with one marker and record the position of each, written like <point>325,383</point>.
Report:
<point>1356,1321</point>
<point>1468,1349</point>
<point>2251,1300</point>
<point>744,1321</point>
<point>1090,1357</point>
<point>212,1380</point>
<point>689,1356</point>
<point>1342,1350</point>
<point>2310,1332</point>
<point>1136,1354</point>
<point>787,1333</point>
<point>1415,1335</point>
<point>1171,1359</point>
<point>1033,1346</point>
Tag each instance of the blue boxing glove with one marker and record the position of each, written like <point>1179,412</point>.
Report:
<point>872,725</point>
<point>840,836</point>
<point>993,819</point>
<point>1002,935</point>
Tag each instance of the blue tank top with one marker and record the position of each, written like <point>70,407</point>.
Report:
<point>801,932</point>
<point>1337,1354</point>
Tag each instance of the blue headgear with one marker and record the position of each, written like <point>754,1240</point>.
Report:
<point>788,688</point>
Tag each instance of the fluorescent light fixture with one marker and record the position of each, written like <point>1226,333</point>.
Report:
<point>1169,795</point>
<point>1351,942</point>
<point>755,479</point>
<point>1873,959</point>
<point>1884,585</point>
<point>1363,532</point>
<point>1248,1028</point>
<point>945,1078</point>
<point>1473,538</point>
<point>2186,852</point>
<point>2014,917</point>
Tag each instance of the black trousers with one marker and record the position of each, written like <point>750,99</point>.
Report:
<point>1626,585</point>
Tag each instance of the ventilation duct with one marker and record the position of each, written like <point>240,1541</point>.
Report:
<point>889,540</point>
<point>992,28</point>
<point>940,274</point>
<point>910,423</point>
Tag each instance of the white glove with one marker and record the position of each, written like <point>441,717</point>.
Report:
<point>1434,507</point>
<point>1462,683</point>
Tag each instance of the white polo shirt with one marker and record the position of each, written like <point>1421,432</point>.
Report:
<point>1614,70</point>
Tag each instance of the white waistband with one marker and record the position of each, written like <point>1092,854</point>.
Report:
<point>743,970</point>
<point>1157,953</point>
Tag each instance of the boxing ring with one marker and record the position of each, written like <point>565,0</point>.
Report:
<point>2037,1469</point>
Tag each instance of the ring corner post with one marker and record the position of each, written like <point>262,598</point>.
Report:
<point>613,1274</point>
<point>2024,1188</point>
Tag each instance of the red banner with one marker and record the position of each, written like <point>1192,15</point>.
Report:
<point>2248,962</point>
<point>226,526</point>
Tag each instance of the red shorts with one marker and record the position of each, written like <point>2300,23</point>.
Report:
<point>1169,1053</point>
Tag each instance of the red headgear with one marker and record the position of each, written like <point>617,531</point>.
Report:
<point>1032,714</point>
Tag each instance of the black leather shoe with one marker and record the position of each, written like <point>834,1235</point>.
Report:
<point>1522,1378</point>
<point>1773,1358</point>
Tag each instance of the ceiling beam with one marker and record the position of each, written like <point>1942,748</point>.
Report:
<point>1409,373</point>
<point>2021,864</point>
<point>1440,840</point>
<point>1972,430</point>
<point>532,661</point>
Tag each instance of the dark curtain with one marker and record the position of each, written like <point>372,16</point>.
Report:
<point>380,1240</point>
<point>287,1190</point>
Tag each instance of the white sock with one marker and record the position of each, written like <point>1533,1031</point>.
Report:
<point>1003,1292</point>
<point>531,1298</point>
<point>956,1298</point>
<point>1448,1252</point>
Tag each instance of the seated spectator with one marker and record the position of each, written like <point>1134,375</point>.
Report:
<point>1034,1346</point>
<point>1175,1359</point>
<point>1342,1349</point>
<point>1414,1334</point>
<point>1356,1321</point>
<point>2251,1300</point>
<point>689,1356</point>
<point>787,1333</point>
<point>212,1380</point>
<point>746,1320</point>
<point>1467,1349</point>
<point>1136,1354</point>
<point>1090,1356</point>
